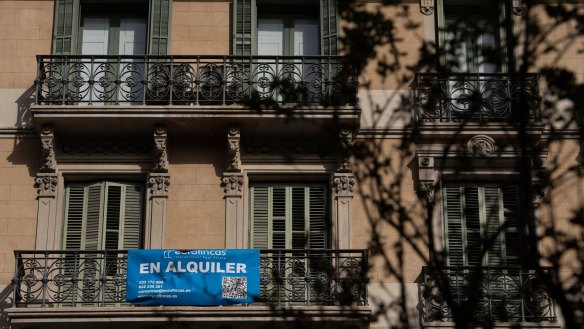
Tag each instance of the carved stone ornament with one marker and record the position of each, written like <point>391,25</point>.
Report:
<point>233,150</point>
<point>519,8</point>
<point>481,145</point>
<point>427,7</point>
<point>426,191</point>
<point>46,185</point>
<point>346,143</point>
<point>158,185</point>
<point>160,153</point>
<point>343,185</point>
<point>232,185</point>
<point>48,150</point>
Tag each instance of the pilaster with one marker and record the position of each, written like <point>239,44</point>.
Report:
<point>342,184</point>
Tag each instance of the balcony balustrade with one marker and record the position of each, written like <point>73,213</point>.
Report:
<point>194,80</point>
<point>479,97</point>
<point>508,294</point>
<point>98,278</point>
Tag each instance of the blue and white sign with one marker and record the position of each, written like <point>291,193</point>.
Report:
<point>196,277</point>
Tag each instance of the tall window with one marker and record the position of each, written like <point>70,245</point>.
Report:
<point>105,27</point>
<point>288,216</point>
<point>471,35</point>
<point>481,225</point>
<point>103,215</point>
<point>306,28</point>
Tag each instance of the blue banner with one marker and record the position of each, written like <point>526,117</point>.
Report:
<point>196,277</point>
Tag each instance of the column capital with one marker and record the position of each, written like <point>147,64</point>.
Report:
<point>46,184</point>
<point>158,184</point>
<point>342,184</point>
<point>233,184</point>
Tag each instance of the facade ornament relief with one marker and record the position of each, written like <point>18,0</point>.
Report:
<point>427,7</point>
<point>345,143</point>
<point>481,145</point>
<point>426,191</point>
<point>158,184</point>
<point>46,185</point>
<point>233,184</point>
<point>48,149</point>
<point>233,150</point>
<point>160,153</point>
<point>343,184</point>
<point>519,7</point>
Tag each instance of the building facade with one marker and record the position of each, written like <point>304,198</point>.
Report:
<point>190,124</point>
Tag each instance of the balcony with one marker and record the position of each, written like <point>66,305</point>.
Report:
<point>500,295</point>
<point>475,98</point>
<point>98,278</point>
<point>201,92</point>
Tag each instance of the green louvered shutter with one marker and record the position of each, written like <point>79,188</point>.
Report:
<point>329,23</point>
<point>473,216</point>
<point>244,27</point>
<point>103,215</point>
<point>159,27</point>
<point>289,216</point>
<point>65,27</point>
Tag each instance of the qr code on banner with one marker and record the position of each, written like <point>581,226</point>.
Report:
<point>234,287</point>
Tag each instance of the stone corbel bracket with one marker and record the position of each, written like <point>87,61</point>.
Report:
<point>233,150</point>
<point>345,147</point>
<point>519,8</point>
<point>427,7</point>
<point>49,162</point>
<point>427,178</point>
<point>160,151</point>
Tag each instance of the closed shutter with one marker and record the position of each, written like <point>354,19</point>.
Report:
<point>159,27</point>
<point>473,219</point>
<point>290,216</point>
<point>103,215</point>
<point>329,22</point>
<point>244,27</point>
<point>65,27</point>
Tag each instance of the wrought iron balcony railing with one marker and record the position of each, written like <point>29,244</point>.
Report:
<point>194,80</point>
<point>477,97</point>
<point>496,294</point>
<point>98,277</point>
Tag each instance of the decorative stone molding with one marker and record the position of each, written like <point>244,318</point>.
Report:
<point>343,184</point>
<point>519,8</point>
<point>345,143</point>
<point>48,149</point>
<point>158,184</point>
<point>481,145</point>
<point>233,150</point>
<point>160,153</point>
<point>232,184</point>
<point>427,7</point>
<point>426,191</point>
<point>46,184</point>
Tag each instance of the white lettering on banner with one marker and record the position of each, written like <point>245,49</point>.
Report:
<point>194,267</point>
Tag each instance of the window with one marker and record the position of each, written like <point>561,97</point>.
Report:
<point>297,28</point>
<point>111,27</point>
<point>471,36</point>
<point>288,216</point>
<point>103,215</point>
<point>478,216</point>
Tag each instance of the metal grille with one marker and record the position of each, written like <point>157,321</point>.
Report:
<point>476,97</point>
<point>506,294</point>
<point>98,277</point>
<point>194,80</point>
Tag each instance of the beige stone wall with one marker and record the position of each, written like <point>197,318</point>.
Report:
<point>195,216</point>
<point>25,31</point>
<point>200,27</point>
<point>18,206</point>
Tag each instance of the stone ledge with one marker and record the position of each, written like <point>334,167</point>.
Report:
<point>498,325</point>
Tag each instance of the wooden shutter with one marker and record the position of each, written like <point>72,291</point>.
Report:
<point>244,27</point>
<point>103,215</point>
<point>65,27</point>
<point>329,26</point>
<point>473,217</point>
<point>292,216</point>
<point>159,27</point>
